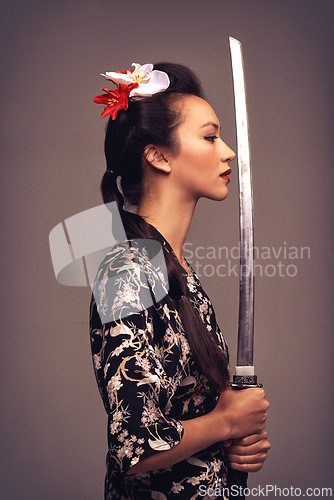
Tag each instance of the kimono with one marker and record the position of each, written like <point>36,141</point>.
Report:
<point>147,376</point>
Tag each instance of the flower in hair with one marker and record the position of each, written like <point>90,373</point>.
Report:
<point>140,81</point>
<point>114,99</point>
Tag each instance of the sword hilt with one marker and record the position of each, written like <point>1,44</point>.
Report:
<point>236,478</point>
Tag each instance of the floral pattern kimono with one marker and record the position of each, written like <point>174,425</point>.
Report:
<point>148,378</point>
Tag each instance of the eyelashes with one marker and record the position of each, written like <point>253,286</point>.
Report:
<point>211,138</point>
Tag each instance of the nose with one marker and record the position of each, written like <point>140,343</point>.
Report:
<point>227,154</point>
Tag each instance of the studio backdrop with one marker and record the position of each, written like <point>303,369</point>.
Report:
<point>53,423</point>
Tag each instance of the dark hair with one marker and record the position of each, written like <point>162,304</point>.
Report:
<point>154,120</point>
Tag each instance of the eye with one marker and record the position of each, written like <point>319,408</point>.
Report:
<point>211,138</point>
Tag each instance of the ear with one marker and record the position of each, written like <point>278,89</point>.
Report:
<point>155,157</point>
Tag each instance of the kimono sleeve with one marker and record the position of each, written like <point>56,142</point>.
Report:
<point>128,364</point>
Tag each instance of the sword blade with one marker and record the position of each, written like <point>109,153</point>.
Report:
<point>246,300</point>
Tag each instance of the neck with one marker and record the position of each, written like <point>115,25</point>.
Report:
<point>171,217</point>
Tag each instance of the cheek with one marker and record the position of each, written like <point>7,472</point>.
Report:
<point>197,156</point>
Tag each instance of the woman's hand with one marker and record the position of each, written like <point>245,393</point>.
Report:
<point>249,453</point>
<point>241,413</point>
<point>237,414</point>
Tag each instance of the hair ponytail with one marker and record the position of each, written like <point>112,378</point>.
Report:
<point>207,353</point>
<point>153,120</point>
<point>209,356</point>
<point>109,189</point>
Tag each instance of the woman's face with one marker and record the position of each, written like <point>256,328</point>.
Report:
<point>200,168</point>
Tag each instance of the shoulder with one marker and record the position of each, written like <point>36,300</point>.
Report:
<point>131,277</point>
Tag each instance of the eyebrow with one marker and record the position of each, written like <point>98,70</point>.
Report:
<point>213,124</point>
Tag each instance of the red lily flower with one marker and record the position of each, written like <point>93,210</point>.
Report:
<point>115,99</point>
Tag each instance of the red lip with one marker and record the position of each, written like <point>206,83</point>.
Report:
<point>225,175</point>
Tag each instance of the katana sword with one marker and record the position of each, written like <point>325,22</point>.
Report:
<point>244,376</point>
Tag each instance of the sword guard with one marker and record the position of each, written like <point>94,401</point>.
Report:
<point>245,382</point>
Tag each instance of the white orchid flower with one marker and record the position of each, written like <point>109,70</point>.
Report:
<point>149,81</point>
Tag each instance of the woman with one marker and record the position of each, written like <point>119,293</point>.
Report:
<point>174,424</point>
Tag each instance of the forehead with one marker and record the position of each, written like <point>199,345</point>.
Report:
<point>196,112</point>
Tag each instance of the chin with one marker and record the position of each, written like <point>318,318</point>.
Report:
<point>218,196</point>
<point>214,194</point>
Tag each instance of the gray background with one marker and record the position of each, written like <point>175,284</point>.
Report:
<point>53,422</point>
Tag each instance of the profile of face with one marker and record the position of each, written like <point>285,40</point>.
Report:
<point>200,167</point>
